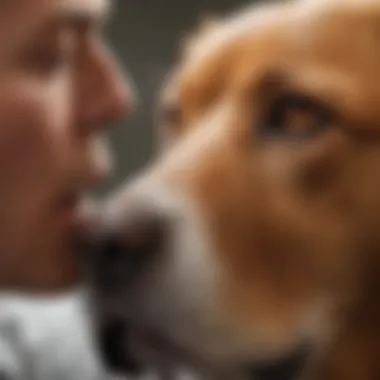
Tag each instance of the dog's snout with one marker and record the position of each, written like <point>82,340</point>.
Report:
<point>125,254</point>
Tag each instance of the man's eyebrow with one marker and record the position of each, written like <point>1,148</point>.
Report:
<point>77,18</point>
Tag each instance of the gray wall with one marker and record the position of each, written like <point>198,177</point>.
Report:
<point>145,35</point>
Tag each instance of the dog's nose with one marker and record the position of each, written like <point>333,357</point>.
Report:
<point>125,254</point>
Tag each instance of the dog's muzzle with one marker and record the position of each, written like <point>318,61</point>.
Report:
<point>121,256</point>
<point>119,357</point>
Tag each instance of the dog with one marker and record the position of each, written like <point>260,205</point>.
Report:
<point>254,234</point>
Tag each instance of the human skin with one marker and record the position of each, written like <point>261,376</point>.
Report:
<point>60,87</point>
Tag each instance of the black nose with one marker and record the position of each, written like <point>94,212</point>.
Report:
<point>127,253</point>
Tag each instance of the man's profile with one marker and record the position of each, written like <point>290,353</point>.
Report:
<point>59,88</point>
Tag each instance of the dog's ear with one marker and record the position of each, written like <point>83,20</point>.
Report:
<point>369,9</point>
<point>206,23</point>
<point>368,12</point>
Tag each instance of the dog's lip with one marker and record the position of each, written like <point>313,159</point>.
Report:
<point>158,347</point>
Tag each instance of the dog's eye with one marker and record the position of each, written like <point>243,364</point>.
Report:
<point>295,116</point>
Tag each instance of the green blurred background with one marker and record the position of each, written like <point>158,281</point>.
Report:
<point>145,35</point>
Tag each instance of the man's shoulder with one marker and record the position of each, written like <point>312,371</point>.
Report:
<point>44,339</point>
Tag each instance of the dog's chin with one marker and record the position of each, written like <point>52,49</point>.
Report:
<point>156,351</point>
<point>166,356</point>
<point>138,349</point>
<point>145,350</point>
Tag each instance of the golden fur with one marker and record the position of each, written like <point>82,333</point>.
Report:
<point>296,225</point>
<point>292,218</point>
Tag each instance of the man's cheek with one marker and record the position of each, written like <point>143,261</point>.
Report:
<point>19,127</point>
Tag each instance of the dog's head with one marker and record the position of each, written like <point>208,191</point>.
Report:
<point>260,213</point>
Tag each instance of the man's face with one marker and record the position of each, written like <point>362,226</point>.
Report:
<point>58,88</point>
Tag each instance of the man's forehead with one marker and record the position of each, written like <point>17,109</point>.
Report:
<point>98,8</point>
<point>88,11</point>
<point>85,13</point>
<point>44,9</point>
<point>21,21</point>
<point>94,4</point>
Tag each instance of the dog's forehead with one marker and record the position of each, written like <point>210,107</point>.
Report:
<point>255,21</point>
<point>208,43</point>
<point>302,16</point>
<point>332,34</point>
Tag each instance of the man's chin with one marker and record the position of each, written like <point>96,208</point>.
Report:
<point>48,285</point>
<point>59,284</point>
<point>55,275</point>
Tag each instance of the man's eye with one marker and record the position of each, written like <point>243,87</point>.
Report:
<point>295,116</point>
<point>48,57</point>
<point>49,60</point>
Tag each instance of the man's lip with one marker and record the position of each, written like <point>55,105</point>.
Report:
<point>79,222</point>
<point>80,210</point>
<point>88,213</point>
<point>68,205</point>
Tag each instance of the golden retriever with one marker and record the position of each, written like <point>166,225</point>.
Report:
<point>256,229</point>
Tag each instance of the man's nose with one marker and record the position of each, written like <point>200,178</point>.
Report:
<point>128,253</point>
<point>105,92</point>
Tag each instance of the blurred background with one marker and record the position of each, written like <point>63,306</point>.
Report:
<point>145,35</point>
<point>49,339</point>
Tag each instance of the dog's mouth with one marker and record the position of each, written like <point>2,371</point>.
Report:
<point>133,351</point>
